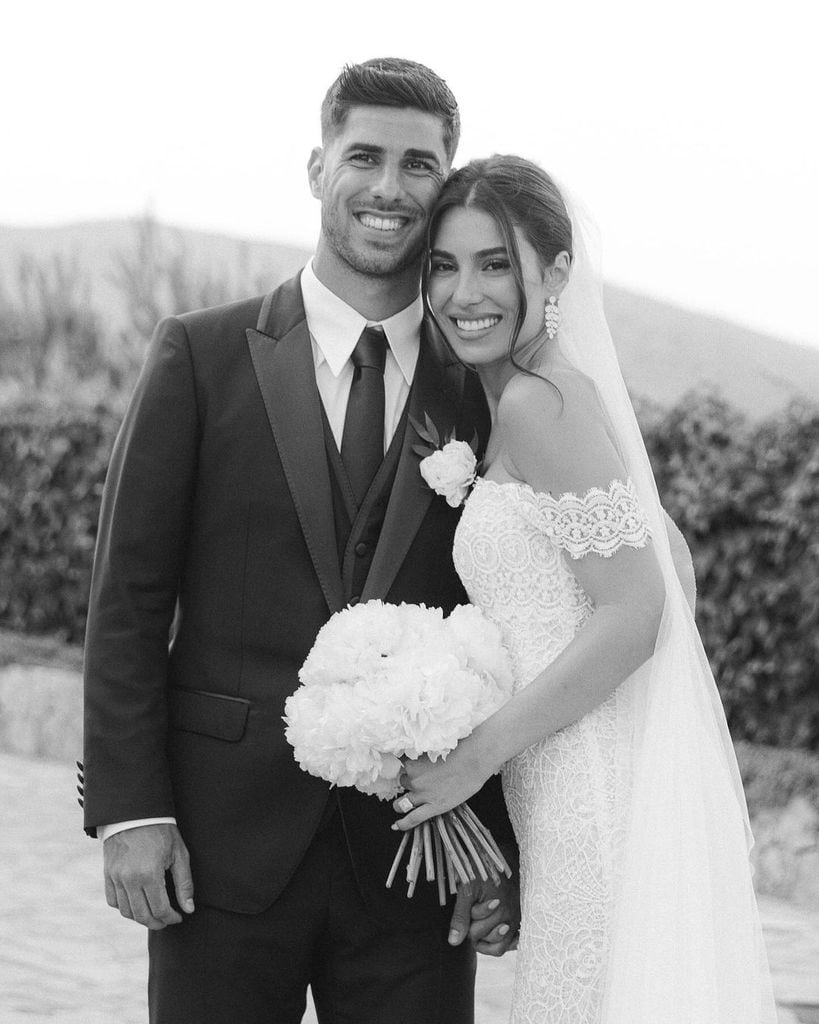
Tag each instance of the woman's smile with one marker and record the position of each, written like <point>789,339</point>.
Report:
<point>473,289</point>
<point>475,325</point>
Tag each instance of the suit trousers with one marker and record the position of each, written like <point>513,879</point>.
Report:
<point>218,967</point>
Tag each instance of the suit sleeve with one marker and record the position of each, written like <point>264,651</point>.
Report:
<point>143,526</point>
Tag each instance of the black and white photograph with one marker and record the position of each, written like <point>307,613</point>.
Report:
<point>409,514</point>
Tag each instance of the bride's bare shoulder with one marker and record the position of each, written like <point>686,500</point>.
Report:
<point>558,400</point>
<point>554,430</point>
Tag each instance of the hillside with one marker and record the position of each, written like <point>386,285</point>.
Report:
<point>665,351</point>
<point>247,266</point>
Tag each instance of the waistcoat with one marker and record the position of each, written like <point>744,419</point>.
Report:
<point>358,529</point>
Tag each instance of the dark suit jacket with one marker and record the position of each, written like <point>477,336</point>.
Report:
<point>217,530</point>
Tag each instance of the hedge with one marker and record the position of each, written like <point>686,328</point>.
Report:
<point>52,470</point>
<point>747,499</point>
<point>746,496</point>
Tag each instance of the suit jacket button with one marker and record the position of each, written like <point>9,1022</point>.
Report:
<point>354,600</point>
<point>361,548</point>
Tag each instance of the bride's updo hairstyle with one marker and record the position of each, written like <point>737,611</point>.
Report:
<point>516,193</point>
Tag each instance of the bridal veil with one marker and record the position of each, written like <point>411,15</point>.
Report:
<point>687,944</point>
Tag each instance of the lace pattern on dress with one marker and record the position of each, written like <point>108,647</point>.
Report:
<point>599,522</point>
<point>568,794</point>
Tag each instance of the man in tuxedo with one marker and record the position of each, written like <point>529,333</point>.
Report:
<point>264,478</point>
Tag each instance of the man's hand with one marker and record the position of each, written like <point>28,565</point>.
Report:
<point>489,914</point>
<point>135,862</point>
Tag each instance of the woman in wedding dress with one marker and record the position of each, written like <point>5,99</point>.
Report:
<point>636,896</point>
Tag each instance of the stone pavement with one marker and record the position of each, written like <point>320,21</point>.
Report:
<point>66,958</point>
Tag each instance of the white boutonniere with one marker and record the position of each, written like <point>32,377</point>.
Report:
<point>448,467</point>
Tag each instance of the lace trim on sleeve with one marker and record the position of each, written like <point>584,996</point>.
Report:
<point>601,521</point>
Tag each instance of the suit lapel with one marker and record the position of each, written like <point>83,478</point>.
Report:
<point>436,392</point>
<point>286,376</point>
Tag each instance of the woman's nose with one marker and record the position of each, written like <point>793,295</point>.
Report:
<point>466,291</point>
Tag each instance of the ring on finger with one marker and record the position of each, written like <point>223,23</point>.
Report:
<point>405,805</point>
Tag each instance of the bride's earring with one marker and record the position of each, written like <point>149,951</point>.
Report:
<point>551,317</point>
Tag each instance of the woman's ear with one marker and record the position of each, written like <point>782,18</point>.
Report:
<point>315,170</point>
<point>556,276</point>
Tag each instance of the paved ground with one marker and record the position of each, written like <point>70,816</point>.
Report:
<point>66,958</point>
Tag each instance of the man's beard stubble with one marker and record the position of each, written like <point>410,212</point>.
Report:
<point>386,265</point>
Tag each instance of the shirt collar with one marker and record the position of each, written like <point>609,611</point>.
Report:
<point>335,327</point>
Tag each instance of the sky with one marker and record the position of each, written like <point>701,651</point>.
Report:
<point>688,129</point>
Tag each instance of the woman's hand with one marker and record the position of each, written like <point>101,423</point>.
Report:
<point>436,787</point>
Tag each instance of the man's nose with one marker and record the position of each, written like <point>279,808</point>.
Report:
<point>387,184</point>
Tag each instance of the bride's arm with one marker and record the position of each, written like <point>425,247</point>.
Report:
<point>627,593</point>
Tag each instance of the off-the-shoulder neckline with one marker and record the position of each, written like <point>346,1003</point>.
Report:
<point>627,484</point>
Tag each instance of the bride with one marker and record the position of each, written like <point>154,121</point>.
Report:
<point>619,774</point>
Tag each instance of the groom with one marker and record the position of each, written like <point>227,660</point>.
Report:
<point>263,479</point>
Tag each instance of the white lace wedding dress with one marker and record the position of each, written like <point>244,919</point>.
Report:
<point>567,795</point>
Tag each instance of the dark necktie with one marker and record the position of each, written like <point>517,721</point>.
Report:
<point>362,443</point>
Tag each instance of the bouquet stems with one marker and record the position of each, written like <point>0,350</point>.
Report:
<point>397,861</point>
<point>455,847</point>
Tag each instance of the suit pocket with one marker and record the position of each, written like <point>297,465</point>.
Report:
<point>209,714</point>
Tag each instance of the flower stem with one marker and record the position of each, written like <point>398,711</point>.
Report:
<point>440,870</point>
<point>473,853</point>
<point>414,861</point>
<point>449,844</point>
<point>394,869</point>
<point>488,841</point>
<point>428,859</point>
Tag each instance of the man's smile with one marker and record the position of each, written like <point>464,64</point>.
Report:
<point>382,222</point>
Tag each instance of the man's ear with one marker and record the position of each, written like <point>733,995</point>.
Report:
<point>315,169</point>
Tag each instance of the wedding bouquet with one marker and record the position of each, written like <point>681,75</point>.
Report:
<point>385,682</point>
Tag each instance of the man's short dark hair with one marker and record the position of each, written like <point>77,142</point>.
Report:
<point>391,82</point>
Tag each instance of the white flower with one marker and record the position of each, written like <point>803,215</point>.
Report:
<point>450,471</point>
<point>351,643</point>
<point>384,682</point>
<point>482,644</point>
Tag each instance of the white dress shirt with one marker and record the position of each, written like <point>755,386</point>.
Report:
<point>334,330</point>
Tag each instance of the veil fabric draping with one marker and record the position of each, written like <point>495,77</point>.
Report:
<point>687,944</point>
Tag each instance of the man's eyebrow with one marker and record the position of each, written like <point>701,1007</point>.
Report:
<point>367,147</point>
<point>423,154</point>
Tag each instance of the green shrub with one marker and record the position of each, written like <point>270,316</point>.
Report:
<point>745,496</point>
<point>52,469</point>
<point>747,499</point>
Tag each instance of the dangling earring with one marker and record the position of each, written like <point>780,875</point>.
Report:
<point>551,317</point>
